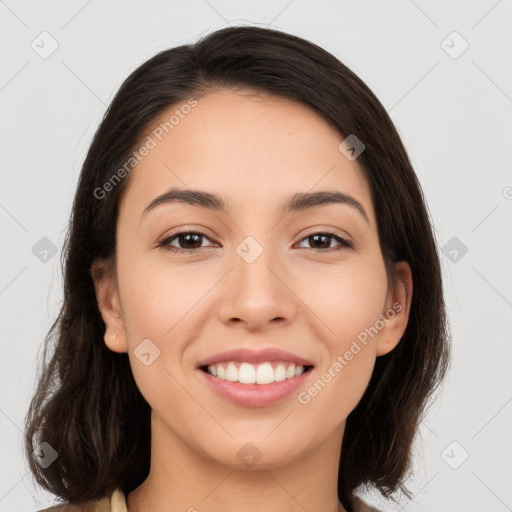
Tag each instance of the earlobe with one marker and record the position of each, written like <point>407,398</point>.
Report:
<point>116,343</point>
<point>396,315</point>
<point>109,306</point>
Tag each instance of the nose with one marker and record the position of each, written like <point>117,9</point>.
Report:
<point>258,293</point>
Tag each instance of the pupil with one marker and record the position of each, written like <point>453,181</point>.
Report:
<point>316,237</point>
<point>188,236</point>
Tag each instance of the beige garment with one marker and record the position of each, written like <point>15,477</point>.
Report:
<point>116,502</point>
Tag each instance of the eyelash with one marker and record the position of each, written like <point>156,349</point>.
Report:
<point>165,243</point>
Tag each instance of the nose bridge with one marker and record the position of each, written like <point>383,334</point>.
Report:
<point>256,291</point>
<point>256,268</point>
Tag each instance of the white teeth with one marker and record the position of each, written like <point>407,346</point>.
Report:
<point>280,372</point>
<point>231,373</point>
<point>246,373</point>
<point>265,374</point>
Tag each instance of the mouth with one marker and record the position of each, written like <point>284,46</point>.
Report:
<point>255,379</point>
<point>262,374</point>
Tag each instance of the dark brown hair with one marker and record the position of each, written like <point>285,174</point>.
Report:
<point>87,405</point>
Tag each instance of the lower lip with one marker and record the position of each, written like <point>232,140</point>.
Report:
<point>255,395</point>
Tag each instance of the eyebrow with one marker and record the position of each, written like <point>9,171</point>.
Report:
<point>298,202</point>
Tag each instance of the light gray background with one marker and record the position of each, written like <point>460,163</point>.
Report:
<point>454,115</point>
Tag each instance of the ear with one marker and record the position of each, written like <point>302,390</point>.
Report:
<point>107,297</point>
<point>396,313</point>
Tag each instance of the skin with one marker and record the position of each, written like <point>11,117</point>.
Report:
<point>255,151</point>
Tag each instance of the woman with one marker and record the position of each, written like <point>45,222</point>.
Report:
<point>253,312</point>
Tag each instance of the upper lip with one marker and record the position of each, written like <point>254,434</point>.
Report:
<point>255,357</point>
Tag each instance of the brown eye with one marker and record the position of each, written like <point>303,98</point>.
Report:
<point>191,241</point>
<point>188,241</point>
<point>322,241</point>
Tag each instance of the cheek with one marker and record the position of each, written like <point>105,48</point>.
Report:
<point>158,298</point>
<point>348,301</point>
<point>347,298</point>
<point>164,304</point>
<point>349,304</point>
<point>336,389</point>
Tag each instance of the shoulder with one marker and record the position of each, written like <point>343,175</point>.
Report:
<point>113,503</point>
<point>102,505</point>
<point>65,507</point>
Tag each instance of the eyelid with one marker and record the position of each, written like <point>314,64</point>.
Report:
<point>344,242</point>
<point>327,230</point>
<point>311,231</point>
<point>182,231</point>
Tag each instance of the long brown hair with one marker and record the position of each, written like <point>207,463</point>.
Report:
<point>87,406</point>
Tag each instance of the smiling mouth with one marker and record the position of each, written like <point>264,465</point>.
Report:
<point>263,373</point>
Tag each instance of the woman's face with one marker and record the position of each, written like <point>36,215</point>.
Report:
<point>257,279</point>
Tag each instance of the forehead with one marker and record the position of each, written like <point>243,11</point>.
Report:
<point>246,146</point>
